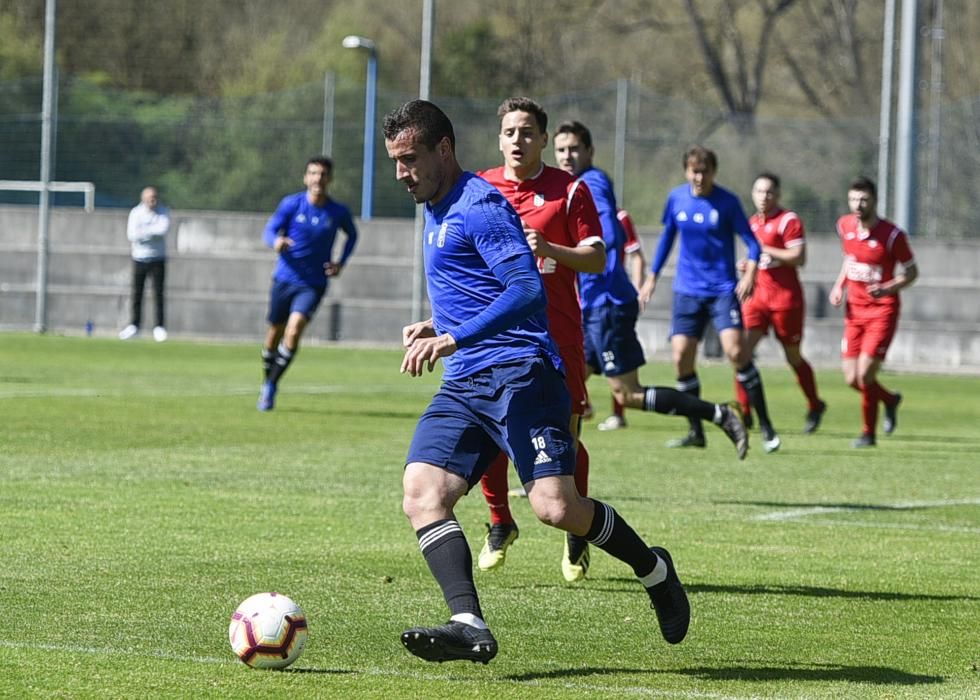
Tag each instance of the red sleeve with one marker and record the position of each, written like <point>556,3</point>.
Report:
<point>583,219</point>
<point>900,248</point>
<point>793,232</point>
<point>633,243</point>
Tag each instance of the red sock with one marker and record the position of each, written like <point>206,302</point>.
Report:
<point>742,396</point>
<point>494,485</point>
<point>869,408</point>
<point>617,409</point>
<point>582,470</point>
<point>808,383</point>
<point>885,396</point>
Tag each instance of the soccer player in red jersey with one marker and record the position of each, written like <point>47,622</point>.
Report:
<point>635,264</point>
<point>872,246</point>
<point>777,301</point>
<point>563,229</point>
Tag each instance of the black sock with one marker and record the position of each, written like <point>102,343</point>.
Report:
<point>663,399</point>
<point>613,535</point>
<point>751,381</point>
<point>691,385</point>
<point>267,357</point>
<point>280,362</point>
<point>448,555</point>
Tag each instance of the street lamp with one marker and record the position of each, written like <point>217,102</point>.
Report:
<point>370,100</point>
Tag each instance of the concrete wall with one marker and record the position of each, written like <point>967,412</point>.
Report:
<point>219,273</point>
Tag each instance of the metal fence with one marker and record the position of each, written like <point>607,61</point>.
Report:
<point>243,154</point>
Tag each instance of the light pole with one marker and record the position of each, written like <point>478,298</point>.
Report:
<point>370,100</point>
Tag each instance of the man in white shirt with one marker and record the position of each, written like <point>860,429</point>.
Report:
<point>147,229</point>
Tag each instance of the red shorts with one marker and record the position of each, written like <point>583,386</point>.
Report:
<point>787,324</point>
<point>867,334</point>
<point>574,358</point>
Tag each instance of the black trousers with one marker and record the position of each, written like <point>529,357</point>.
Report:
<point>156,270</point>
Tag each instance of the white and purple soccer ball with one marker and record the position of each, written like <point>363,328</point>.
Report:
<point>268,630</point>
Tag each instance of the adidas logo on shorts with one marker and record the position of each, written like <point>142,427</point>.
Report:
<point>542,458</point>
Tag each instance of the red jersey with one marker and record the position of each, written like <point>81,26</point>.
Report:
<point>561,208</point>
<point>777,286</point>
<point>870,257</point>
<point>633,243</point>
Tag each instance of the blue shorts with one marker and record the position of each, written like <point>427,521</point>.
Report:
<point>691,314</point>
<point>611,345</point>
<point>520,407</point>
<point>287,297</point>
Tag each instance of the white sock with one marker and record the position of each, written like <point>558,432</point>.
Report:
<point>717,419</point>
<point>471,620</point>
<point>658,575</point>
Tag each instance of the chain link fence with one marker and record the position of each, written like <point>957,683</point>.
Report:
<point>243,154</point>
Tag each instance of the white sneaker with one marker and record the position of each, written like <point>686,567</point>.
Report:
<point>613,422</point>
<point>159,334</point>
<point>129,332</point>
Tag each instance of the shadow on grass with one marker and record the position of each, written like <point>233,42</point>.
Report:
<point>842,506</point>
<point>880,675</point>
<point>777,589</point>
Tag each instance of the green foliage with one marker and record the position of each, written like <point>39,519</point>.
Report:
<point>142,497</point>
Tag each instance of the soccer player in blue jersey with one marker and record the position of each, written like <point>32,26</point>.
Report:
<point>502,389</point>
<point>708,217</point>
<point>302,231</point>
<point>610,307</point>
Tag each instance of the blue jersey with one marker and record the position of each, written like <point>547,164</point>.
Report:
<point>612,285</point>
<point>708,226</point>
<point>313,230</point>
<point>468,232</point>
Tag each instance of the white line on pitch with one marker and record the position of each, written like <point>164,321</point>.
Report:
<point>801,513</point>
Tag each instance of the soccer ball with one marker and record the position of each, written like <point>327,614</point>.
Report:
<point>268,630</point>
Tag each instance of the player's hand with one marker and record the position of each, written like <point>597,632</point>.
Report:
<point>647,290</point>
<point>836,295</point>
<point>419,329</point>
<point>876,290</point>
<point>539,244</point>
<point>282,243</point>
<point>741,265</point>
<point>422,354</point>
<point>331,269</point>
<point>745,287</point>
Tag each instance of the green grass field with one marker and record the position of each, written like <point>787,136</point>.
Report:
<point>142,497</point>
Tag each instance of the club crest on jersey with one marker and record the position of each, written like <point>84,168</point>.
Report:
<point>538,200</point>
<point>442,235</point>
<point>698,217</point>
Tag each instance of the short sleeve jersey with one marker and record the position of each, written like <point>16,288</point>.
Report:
<point>561,207</point>
<point>870,257</point>
<point>313,230</point>
<point>633,243</point>
<point>777,286</point>
<point>467,233</point>
<point>707,227</point>
<point>612,285</point>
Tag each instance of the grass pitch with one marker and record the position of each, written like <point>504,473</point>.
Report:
<point>142,497</point>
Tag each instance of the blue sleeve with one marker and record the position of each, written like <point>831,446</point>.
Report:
<point>744,231</point>
<point>347,226</point>
<point>278,221</point>
<point>523,295</point>
<point>605,203</point>
<point>666,242</point>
